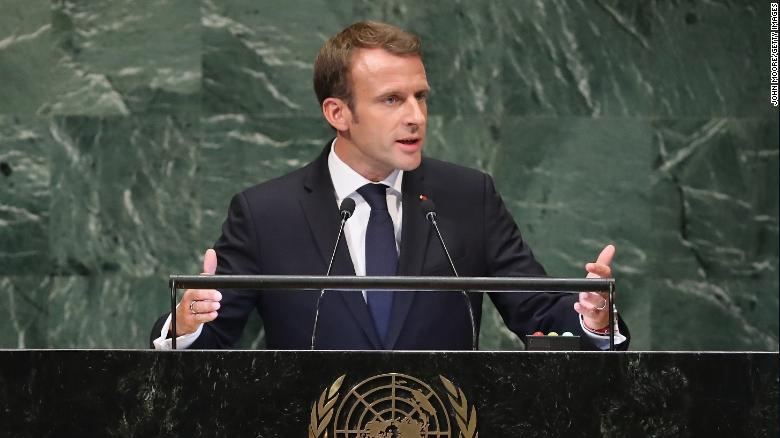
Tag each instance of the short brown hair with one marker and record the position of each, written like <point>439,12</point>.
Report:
<point>333,62</point>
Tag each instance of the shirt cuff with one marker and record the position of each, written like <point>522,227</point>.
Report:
<point>182,342</point>
<point>602,341</point>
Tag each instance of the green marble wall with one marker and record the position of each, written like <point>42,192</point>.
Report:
<point>125,126</point>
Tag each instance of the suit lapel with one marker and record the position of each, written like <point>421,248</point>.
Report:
<point>322,214</point>
<point>414,243</point>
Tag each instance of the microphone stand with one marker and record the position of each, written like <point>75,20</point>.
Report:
<point>346,209</point>
<point>431,216</point>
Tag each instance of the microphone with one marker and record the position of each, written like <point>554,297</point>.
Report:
<point>346,209</point>
<point>429,208</point>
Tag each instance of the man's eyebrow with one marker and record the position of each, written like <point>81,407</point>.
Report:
<point>392,91</point>
<point>388,92</point>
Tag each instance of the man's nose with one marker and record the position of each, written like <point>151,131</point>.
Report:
<point>415,112</point>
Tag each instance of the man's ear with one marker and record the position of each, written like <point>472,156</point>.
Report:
<point>337,113</point>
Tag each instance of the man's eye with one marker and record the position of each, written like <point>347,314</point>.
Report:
<point>390,100</point>
<point>422,96</point>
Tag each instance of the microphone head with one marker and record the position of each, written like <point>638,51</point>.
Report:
<point>428,207</point>
<point>347,208</point>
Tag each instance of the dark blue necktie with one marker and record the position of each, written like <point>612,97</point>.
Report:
<point>381,255</point>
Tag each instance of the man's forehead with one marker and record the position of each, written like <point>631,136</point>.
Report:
<point>374,56</point>
<point>374,64</point>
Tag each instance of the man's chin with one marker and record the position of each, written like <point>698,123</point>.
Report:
<point>410,162</point>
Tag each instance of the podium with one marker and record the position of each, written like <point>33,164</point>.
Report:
<point>105,393</point>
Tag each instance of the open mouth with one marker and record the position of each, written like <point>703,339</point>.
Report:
<point>409,141</point>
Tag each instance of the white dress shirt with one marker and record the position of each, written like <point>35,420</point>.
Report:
<point>346,182</point>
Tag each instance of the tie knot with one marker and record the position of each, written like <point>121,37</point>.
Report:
<point>375,195</point>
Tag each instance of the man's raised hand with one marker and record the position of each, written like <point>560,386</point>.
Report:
<point>592,305</point>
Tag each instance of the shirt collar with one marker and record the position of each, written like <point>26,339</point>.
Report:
<point>346,181</point>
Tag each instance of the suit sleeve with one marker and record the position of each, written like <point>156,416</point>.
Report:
<point>509,256</point>
<point>238,253</point>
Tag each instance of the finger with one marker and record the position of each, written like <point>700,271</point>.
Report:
<point>210,262</point>
<point>198,307</point>
<point>597,270</point>
<point>200,295</point>
<point>585,305</point>
<point>204,317</point>
<point>605,258</point>
<point>596,320</point>
<point>582,310</point>
<point>601,268</point>
<point>594,299</point>
<point>587,310</point>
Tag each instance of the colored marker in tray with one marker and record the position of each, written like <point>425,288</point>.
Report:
<point>552,341</point>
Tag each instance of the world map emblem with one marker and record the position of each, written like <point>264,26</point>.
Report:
<point>392,405</point>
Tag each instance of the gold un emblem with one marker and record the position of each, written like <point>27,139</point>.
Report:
<point>391,406</point>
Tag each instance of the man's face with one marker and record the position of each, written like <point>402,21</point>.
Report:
<point>386,125</point>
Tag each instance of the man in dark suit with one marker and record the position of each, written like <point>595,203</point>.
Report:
<point>372,87</point>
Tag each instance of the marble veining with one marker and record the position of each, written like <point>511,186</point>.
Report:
<point>126,126</point>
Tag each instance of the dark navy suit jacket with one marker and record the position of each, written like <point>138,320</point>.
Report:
<point>288,226</point>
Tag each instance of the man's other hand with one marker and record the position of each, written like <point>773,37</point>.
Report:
<point>198,306</point>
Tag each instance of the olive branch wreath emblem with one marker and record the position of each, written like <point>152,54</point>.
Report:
<point>467,422</point>
<point>322,410</point>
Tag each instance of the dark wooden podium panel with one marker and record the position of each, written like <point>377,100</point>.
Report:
<point>106,393</point>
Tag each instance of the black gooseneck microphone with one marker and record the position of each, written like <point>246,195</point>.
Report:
<point>345,210</point>
<point>429,208</point>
